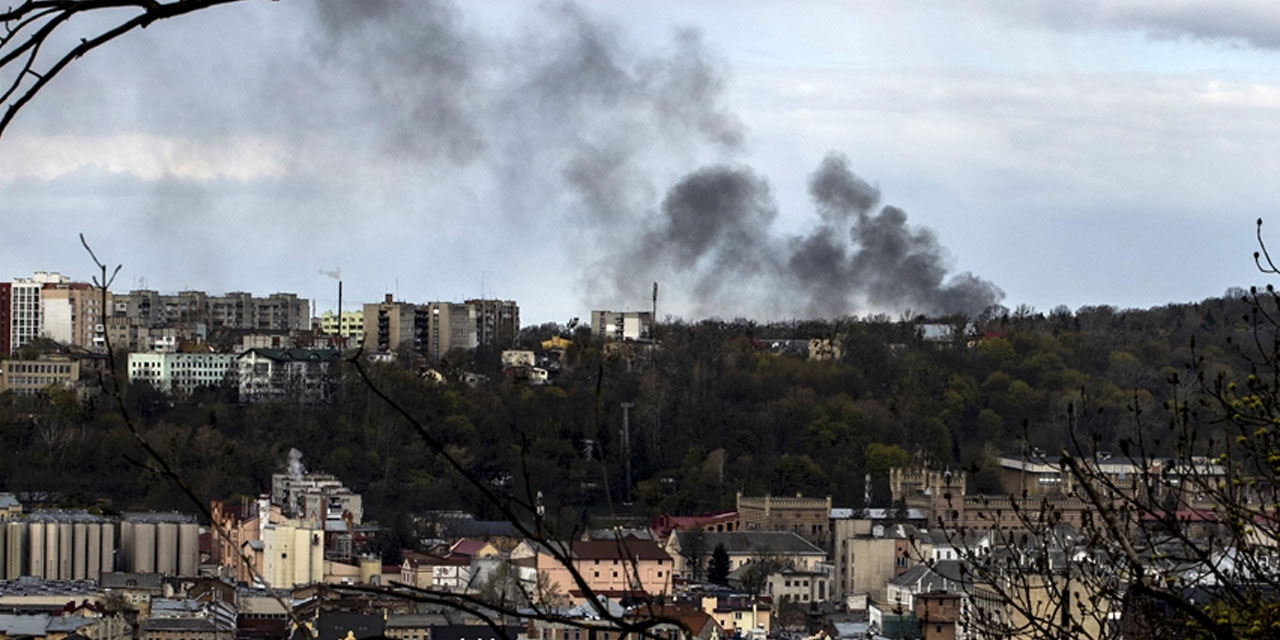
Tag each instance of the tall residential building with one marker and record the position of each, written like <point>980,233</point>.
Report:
<point>622,325</point>
<point>24,306</point>
<point>390,325</point>
<point>6,312</point>
<point>497,322</point>
<point>72,313</point>
<point>234,310</point>
<point>451,326</point>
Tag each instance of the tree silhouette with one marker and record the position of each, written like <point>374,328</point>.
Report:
<point>718,568</point>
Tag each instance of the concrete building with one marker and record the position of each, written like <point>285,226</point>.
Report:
<point>451,326</point>
<point>390,326</point>
<point>292,554</point>
<point>350,325</point>
<point>6,312</point>
<point>72,313</point>
<point>809,518</point>
<point>24,306</point>
<point>795,585</point>
<point>622,325</point>
<point>182,372</point>
<point>30,377</point>
<point>316,498</point>
<point>234,310</point>
<point>280,374</point>
<point>497,322</point>
<point>867,556</point>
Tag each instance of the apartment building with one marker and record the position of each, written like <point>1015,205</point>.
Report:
<point>349,325</point>
<point>234,310</point>
<point>451,326</point>
<point>497,321</point>
<point>24,306</point>
<point>277,374</point>
<point>390,326</point>
<point>72,313</point>
<point>622,325</point>
<point>181,372</point>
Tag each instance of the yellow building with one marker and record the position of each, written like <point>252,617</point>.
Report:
<point>557,342</point>
<point>30,377</point>
<point>350,327</point>
<point>292,555</point>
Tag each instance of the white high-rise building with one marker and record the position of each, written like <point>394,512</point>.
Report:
<point>24,309</point>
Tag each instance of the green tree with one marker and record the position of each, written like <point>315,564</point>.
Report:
<point>718,569</point>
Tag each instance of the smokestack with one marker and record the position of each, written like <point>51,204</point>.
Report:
<point>626,446</point>
<point>342,341</point>
<point>655,303</point>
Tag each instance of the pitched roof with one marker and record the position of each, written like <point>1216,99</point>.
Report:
<point>468,547</point>
<point>751,542</point>
<point>628,548</point>
<point>292,355</point>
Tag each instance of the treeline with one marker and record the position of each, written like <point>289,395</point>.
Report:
<point>712,414</point>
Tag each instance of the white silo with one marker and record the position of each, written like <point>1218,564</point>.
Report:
<point>66,543</point>
<point>79,550</point>
<point>15,545</point>
<point>143,553</point>
<point>93,551</point>
<point>36,563</point>
<point>167,548</point>
<point>50,550</point>
<point>126,546</point>
<point>188,549</point>
<point>109,547</point>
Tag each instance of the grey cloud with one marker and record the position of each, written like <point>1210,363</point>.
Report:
<point>714,235</point>
<point>1255,24</point>
<point>410,67</point>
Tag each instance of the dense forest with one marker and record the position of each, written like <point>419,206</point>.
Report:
<point>713,414</point>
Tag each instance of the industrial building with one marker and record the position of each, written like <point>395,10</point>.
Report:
<point>164,543</point>
<point>57,545</point>
<point>77,545</point>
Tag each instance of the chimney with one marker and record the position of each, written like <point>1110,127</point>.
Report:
<point>388,299</point>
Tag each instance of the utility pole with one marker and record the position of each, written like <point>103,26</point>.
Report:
<point>626,447</point>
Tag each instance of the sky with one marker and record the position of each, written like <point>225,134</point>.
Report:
<point>770,160</point>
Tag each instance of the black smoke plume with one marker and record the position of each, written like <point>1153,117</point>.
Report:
<point>713,234</point>
<point>580,131</point>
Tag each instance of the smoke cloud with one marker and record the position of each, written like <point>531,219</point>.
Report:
<point>713,235</point>
<point>571,121</point>
<point>295,464</point>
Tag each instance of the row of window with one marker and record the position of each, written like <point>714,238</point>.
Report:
<point>38,367</point>
<point>23,381</point>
